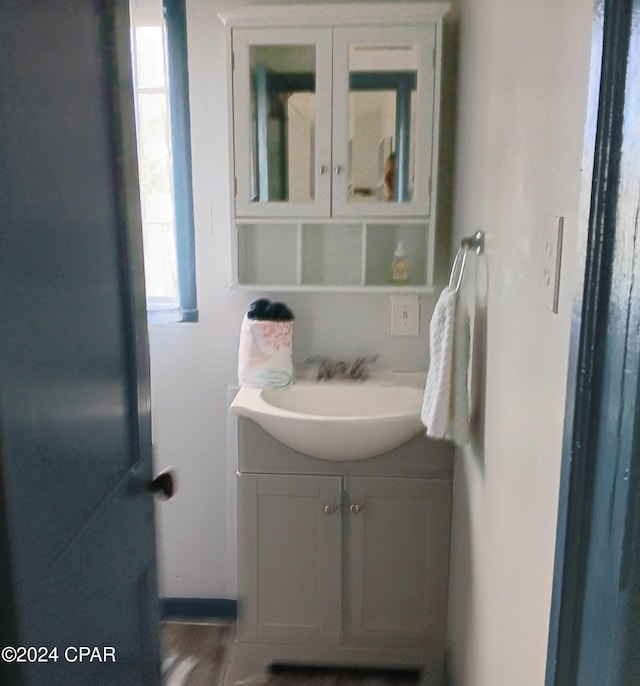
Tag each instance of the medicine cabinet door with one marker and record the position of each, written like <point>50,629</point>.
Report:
<point>281,121</point>
<point>384,94</point>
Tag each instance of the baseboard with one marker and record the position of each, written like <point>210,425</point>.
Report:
<point>446,677</point>
<point>198,608</point>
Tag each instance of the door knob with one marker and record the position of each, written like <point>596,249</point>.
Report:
<point>355,508</point>
<point>339,169</point>
<point>330,508</point>
<point>164,484</point>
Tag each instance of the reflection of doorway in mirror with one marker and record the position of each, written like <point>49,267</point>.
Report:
<point>301,146</point>
<point>386,168</point>
<point>283,114</point>
<point>371,123</point>
<point>382,112</point>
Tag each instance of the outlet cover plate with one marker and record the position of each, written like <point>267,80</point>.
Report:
<point>551,261</point>
<point>405,315</point>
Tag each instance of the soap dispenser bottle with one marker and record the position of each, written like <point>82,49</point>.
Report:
<point>399,265</point>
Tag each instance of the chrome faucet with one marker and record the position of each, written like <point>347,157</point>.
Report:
<point>328,369</point>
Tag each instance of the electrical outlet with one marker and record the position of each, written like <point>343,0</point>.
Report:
<point>551,261</point>
<point>405,315</point>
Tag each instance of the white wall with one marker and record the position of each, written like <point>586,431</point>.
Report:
<point>522,99</point>
<point>192,364</point>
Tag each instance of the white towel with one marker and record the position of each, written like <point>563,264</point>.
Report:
<point>435,404</point>
<point>445,406</point>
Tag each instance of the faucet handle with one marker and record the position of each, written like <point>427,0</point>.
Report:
<point>326,368</point>
<point>360,368</point>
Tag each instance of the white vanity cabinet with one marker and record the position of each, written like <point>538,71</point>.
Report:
<point>289,528</point>
<point>299,532</point>
<point>335,113</point>
<point>396,561</point>
<point>342,562</point>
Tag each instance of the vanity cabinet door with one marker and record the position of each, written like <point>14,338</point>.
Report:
<point>282,122</point>
<point>397,561</point>
<point>384,96</point>
<point>290,558</point>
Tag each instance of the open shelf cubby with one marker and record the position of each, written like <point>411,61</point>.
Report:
<point>331,255</point>
<point>267,254</point>
<point>382,240</point>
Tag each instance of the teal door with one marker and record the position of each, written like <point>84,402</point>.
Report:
<point>78,598</point>
<point>594,629</point>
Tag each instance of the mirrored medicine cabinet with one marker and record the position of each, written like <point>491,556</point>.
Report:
<point>334,111</point>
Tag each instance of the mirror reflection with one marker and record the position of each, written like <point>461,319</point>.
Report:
<point>283,117</point>
<point>381,121</point>
<point>382,109</point>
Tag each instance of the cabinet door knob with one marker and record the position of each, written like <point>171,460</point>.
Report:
<point>355,508</point>
<point>323,169</point>
<point>339,169</point>
<point>330,508</point>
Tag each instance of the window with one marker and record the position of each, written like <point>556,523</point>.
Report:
<point>161,87</point>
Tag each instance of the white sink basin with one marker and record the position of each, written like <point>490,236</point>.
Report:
<point>335,421</point>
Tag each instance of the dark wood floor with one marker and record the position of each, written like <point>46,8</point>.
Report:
<point>197,655</point>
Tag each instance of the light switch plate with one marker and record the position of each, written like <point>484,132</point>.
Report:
<point>405,315</point>
<point>551,261</point>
